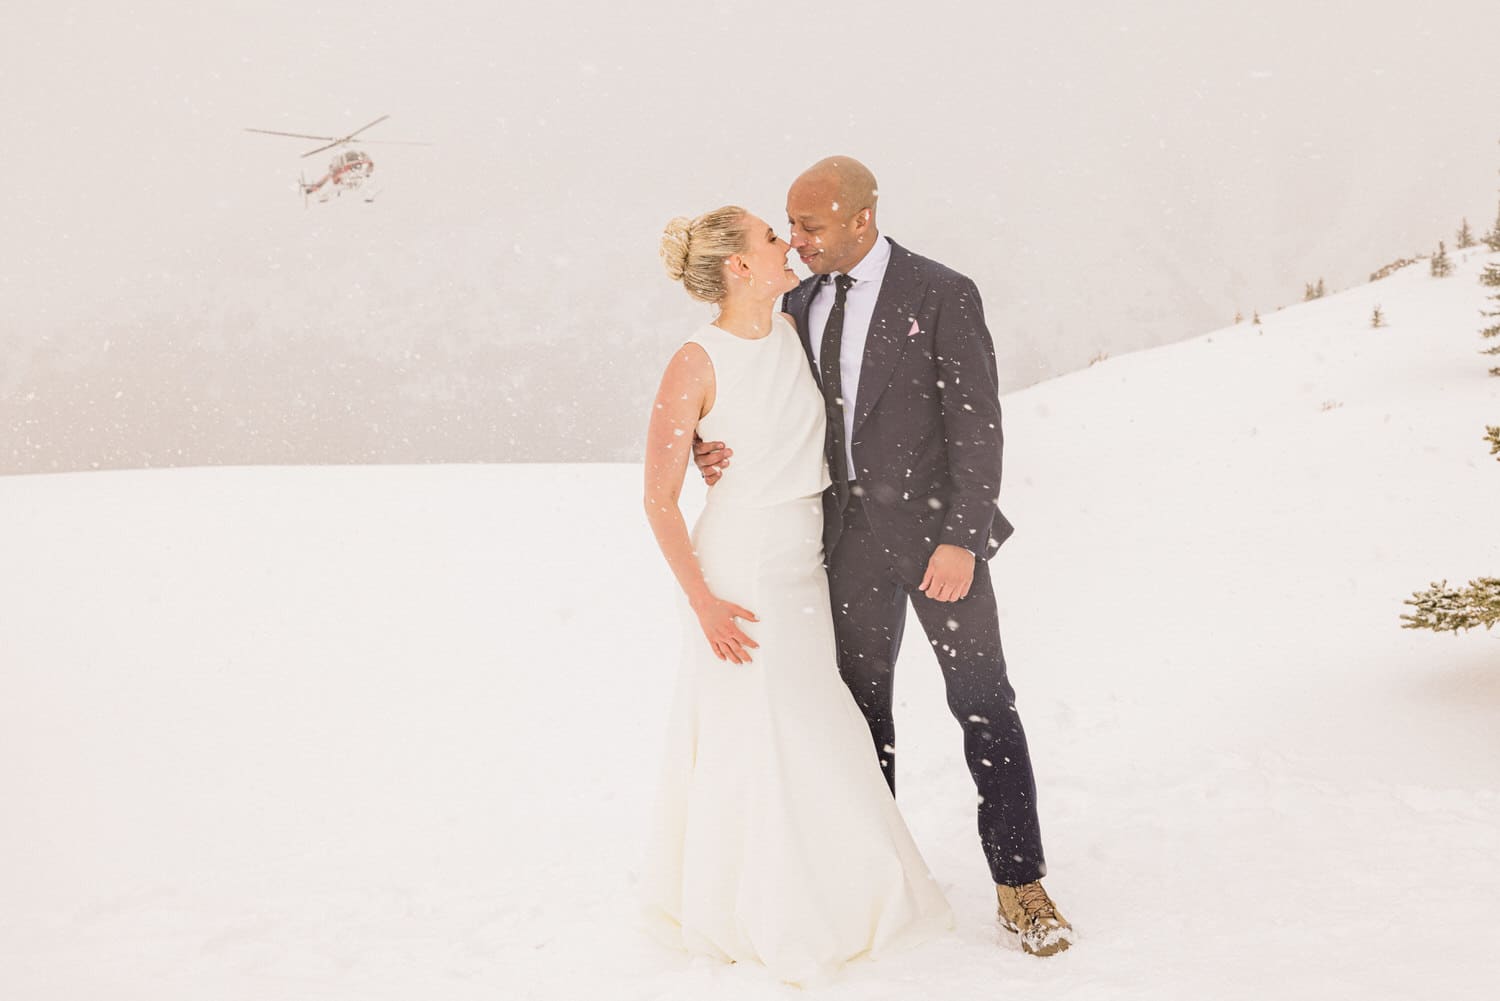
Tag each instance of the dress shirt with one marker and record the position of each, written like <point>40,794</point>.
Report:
<point>859,309</point>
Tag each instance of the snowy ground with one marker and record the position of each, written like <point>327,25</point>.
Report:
<point>391,733</point>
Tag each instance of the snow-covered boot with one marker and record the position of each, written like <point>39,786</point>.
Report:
<point>1030,913</point>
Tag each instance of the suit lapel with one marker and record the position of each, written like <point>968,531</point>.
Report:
<point>890,328</point>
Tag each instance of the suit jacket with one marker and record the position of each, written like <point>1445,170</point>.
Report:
<point>927,441</point>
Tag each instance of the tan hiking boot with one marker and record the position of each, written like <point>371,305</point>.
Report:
<point>1030,913</point>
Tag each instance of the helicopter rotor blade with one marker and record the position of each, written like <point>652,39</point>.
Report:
<point>363,127</point>
<point>390,142</point>
<point>294,135</point>
<point>336,142</point>
<point>332,141</point>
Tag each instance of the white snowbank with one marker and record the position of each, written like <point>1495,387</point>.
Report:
<point>391,732</point>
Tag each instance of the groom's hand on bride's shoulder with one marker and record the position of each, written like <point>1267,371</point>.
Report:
<point>950,573</point>
<point>712,458</point>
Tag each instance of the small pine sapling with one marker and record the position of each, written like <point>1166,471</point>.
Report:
<point>1441,266</point>
<point>1465,236</point>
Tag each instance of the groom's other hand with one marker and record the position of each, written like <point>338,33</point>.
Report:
<point>712,459</point>
<point>950,573</point>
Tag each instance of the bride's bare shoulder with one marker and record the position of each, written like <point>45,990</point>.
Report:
<point>790,320</point>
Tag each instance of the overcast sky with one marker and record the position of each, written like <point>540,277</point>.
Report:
<point>1111,174</point>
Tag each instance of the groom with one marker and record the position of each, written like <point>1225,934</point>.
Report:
<point>907,368</point>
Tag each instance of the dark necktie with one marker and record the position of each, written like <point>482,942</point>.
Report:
<point>833,391</point>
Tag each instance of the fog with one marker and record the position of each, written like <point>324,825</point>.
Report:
<point>1112,175</point>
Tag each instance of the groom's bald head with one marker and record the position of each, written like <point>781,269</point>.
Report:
<point>831,208</point>
<point>846,179</point>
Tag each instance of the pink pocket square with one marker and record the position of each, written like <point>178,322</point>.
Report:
<point>914,331</point>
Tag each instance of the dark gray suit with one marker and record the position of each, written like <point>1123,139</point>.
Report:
<point>927,455</point>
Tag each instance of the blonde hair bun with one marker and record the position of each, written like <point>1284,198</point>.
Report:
<point>694,250</point>
<point>674,246</point>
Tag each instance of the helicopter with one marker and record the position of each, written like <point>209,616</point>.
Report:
<point>349,170</point>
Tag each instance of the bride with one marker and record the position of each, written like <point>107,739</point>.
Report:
<point>776,841</point>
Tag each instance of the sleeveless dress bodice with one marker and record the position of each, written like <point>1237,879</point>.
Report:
<point>769,410</point>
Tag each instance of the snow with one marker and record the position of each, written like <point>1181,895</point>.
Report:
<point>391,732</point>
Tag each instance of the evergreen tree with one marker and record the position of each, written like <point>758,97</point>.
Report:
<point>1377,319</point>
<point>1238,317</point>
<point>1491,277</point>
<point>1442,267</point>
<point>1445,609</point>
<point>1465,236</point>
<point>1256,321</point>
<point>1492,332</point>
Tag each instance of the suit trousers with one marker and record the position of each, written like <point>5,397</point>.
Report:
<point>869,612</point>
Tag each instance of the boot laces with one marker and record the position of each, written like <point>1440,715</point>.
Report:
<point>1035,902</point>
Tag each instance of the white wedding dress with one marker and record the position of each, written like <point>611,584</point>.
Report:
<point>777,840</point>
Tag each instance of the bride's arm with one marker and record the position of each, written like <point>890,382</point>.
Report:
<point>686,394</point>
<point>681,400</point>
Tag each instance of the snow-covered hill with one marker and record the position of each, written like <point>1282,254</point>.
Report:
<point>390,732</point>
